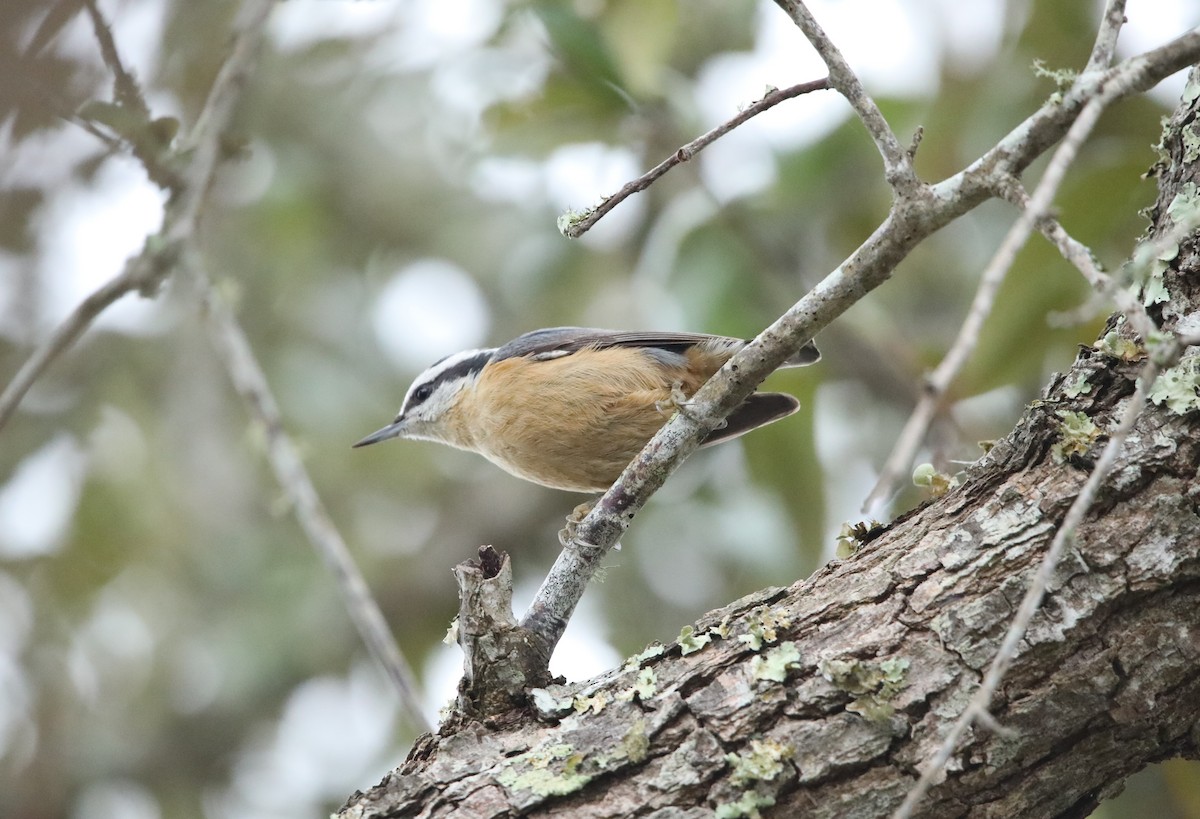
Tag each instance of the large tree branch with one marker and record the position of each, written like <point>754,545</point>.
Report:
<point>828,698</point>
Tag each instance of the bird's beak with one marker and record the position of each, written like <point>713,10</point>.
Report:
<point>393,430</point>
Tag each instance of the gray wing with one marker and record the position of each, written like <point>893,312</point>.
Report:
<point>558,341</point>
<point>566,340</point>
<point>758,410</point>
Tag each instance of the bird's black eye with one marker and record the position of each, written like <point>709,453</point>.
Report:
<point>422,393</point>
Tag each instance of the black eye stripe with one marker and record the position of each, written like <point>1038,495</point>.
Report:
<point>463,368</point>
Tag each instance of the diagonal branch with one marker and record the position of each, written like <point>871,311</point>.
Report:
<point>1105,47</point>
<point>574,225</point>
<point>897,163</point>
<point>233,348</point>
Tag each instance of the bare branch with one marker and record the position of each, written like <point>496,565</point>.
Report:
<point>126,90</point>
<point>897,163</point>
<point>146,271</point>
<point>574,225</point>
<point>1084,261</point>
<point>1105,48</point>
<point>233,348</point>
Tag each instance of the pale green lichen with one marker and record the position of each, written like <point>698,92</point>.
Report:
<point>548,704</point>
<point>775,664</point>
<point>748,805</point>
<point>568,221</point>
<point>1185,205</point>
<point>551,770</point>
<point>1077,386</point>
<point>635,745</point>
<point>1076,435</point>
<point>1179,387</point>
<point>1064,78</point>
<point>763,627</point>
<point>724,629</point>
<point>852,535</point>
<point>1191,90</point>
<point>644,688</point>
<point>1147,268</point>
<point>926,476</point>
<point>762,762</point>
<point>874,684</point>
<point>595,703</point>
<point>690,641</point>
<point>847,543</point>
<point>1190,138</point>
<point>1115,345</point>
<point>649,653</point>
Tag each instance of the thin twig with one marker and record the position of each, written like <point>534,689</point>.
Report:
<point>148,139</point>
<point>981,699</point>
<point>1079,255</point>
<point>204,141</point>
<point>574,225</point>
<point>233,348</point>
<point>126,90</point>
<point>1105,47</point>
<point>897,163</point>
<point>938,383</point>
<point>112,143</point>
<point>65,335</point>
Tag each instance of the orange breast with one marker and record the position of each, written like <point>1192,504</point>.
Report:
<point>576,422</point>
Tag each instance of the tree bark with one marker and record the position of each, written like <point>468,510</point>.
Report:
<point>826,698</point>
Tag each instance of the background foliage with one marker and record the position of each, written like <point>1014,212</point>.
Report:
<point>169,644</point>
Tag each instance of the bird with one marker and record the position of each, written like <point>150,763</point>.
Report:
<point>570,407</point>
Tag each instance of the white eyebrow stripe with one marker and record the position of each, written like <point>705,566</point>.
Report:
<point>450,368</point>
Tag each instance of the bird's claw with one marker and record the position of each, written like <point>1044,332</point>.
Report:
<point>566,535</point>
<point>678,402</point>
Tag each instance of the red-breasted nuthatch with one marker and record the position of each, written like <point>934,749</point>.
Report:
<point>570,407</point>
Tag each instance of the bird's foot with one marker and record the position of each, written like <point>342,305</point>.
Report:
<point>566,535</point>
